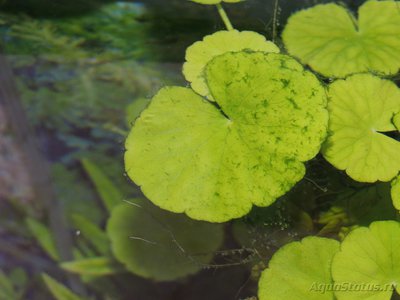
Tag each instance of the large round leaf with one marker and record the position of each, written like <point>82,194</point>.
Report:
<point>201,53</point>
<point>368,264</point>
<point>361,108</point>
<point>188,155</point>
<point>329,38</point>
<point>395,192</point>
<point>300,271</point>
<point>156,244</point>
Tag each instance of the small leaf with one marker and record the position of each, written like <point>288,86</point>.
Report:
<point>369,258</point>
<point>58,290</point>
<point>361,109</point>
<point>163,246</point>
<point>209,2</point>
<point>94,266</point>
<point>92,233</point>
<point>201,53</point>
<point>299,270</point>
<point>395,192</point>
<point>329,38</point>
<point>214,163</point>
<point>108,192</point>
<point>44,237</point>
<point>6,288</point>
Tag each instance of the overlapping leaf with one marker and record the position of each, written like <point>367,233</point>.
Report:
<point>368,264</point>
<point>395,192</point>
<point>201,53</point>
<point>361,109</point>
<point>300,271</point>
<point>156,244</point>
<point>213,163</point>
<point>329,38</point>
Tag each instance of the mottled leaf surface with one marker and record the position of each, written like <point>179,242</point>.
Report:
<point>395,192</point>
<point>361,109</point>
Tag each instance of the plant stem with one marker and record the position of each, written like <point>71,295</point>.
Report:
<point>224,17</point>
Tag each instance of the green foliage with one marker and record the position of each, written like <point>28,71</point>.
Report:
<point>7,291</point>
<point>248,141</point>
<point>110,195</point>
<point>209,2</point>
<point>330,39</point>
<point>296,268</point>
<point>93,266</point>
<point>369,257</point>
<point>44,236</point>
<point>58,290</point>
<point>395,192</point>
<point>134,110</point>
<point>201,53</point>
<point>361,109</point>
<point>159,245</point>
<point>91,231</point>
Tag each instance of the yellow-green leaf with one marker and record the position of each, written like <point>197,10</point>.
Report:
<point>299,271</point>
<point>334,43</point>
<point>361,109</point>
<point>368,264</point>
<point>213,163</point>
<point>201,53</point>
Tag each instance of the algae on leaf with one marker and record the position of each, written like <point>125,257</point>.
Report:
<point>201,53</point>
<point>329,38</point>
<point>361,109</point>
<point>213,163</point>
<point>160,245</point>
<point>369,262</point>
<point>298,270</point>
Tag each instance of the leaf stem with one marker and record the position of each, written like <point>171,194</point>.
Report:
<point>224,17</point>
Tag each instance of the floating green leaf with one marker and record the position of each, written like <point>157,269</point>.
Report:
<point>201,53</point>
<point>368,264</point>
<point>300,271</point>
<point>134,109</point>
<point>160,245</point>
<point>213,163</point>
<point>95,266</point>
<point>58,290</point>
<point>209,2</point>
<point>361,108</point>
<point>396,193</point>
<point>92,233</point>
<point>329,38</point>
